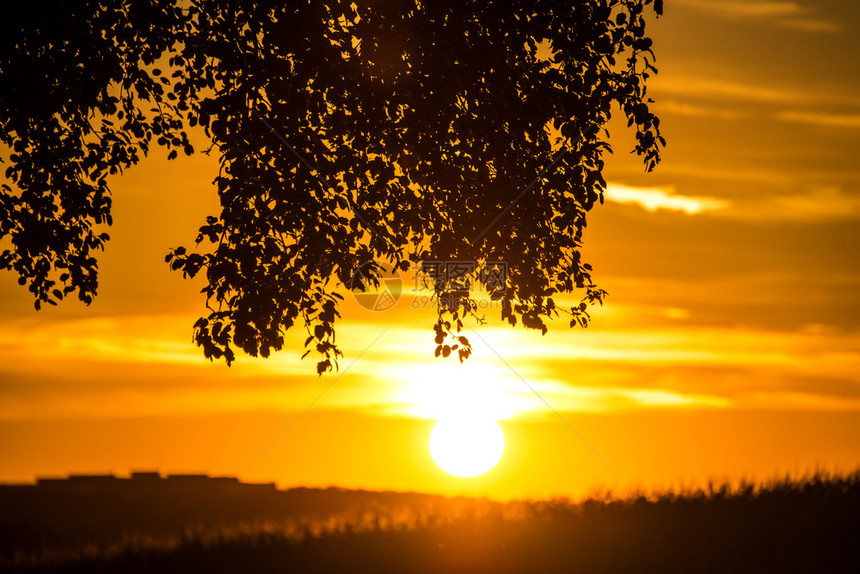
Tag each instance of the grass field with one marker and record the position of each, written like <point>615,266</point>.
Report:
<point>804,525</point>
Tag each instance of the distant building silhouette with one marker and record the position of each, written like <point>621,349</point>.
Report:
<point>145,475</point>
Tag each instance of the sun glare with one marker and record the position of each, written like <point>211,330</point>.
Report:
<point>440,391</point>
<point>466,446</point>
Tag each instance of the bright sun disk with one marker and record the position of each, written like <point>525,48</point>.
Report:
<point>466,446</point>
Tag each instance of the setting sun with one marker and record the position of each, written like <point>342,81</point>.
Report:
<point>467,446</point>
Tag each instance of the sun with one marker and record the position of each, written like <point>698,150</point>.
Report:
<point>466,446</point>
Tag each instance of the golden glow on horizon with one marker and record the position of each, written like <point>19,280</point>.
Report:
<point>467,446</point>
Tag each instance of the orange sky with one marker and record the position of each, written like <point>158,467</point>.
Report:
<point>729,345</point>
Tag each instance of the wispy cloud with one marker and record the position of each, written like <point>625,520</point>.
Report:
<point>697,111</point>
<point>685,368</point>
<point>755,174</point>
<point>661,199</point>
<point>811,25</point>
<point>721,89</point>
<point>817,204</point>
<point>746,8</point>
<point>821,119</point>
<point>820,203</point>
<point>785,14</point>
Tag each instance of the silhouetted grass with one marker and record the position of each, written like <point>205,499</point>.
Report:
<point>804,525</point>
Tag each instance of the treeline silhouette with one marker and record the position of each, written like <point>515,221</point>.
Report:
<point>810,524</point>
<point>58,518</point>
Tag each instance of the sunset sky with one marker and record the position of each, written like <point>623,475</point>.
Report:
<point>729,345</point>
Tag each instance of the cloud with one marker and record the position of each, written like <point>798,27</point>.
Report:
<point>818,204</point>
<point>825,202</point>
<point>794,202</point>
<point>785,14</point>
<point>747,8</point>
<point>758,175</point>
<point>711,88</point>
<point>821,119</point>
<point>698,111</point>
<point>654,199</point>
<point>494,390</point>
<point>681,367</point>
<point>811,25</point>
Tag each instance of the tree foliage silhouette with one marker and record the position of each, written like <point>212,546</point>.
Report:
<point>352,135</point>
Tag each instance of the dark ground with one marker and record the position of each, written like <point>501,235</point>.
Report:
<point>201,525</point>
